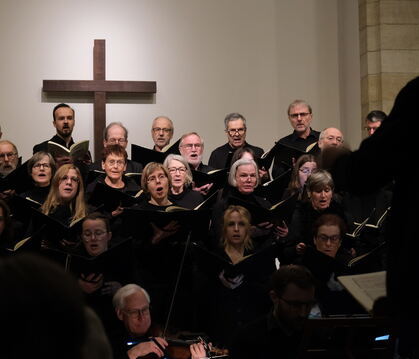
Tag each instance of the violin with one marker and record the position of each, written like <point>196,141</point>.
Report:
<point>180,349</point>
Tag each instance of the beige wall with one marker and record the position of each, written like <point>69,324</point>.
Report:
<point>209,58</point>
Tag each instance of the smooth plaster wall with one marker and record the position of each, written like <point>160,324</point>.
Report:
<point>209,58</point>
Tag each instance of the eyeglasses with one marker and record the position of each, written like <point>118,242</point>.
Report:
<point>72,179</point>
<point>119,163</point>
<point>299,305</point>
<point>160,177</point>
<point>40,165</point>
<point>299,114</point>
<point>306,171</point>
<point>138,313</point>
<point>239,131</point>
<point>189,146</point>
<point>8,155</point>
<point>159,129</point>
<point>114,141</point>
<point>87,236</point>
<point>324,238</point>
<point>173,170</point>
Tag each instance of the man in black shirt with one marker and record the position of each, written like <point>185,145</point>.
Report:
<point>300,116</point>
<point>64,121</point>
<point>235,128</point>
<point>278,334</point>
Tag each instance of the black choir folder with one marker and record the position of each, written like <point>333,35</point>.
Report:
<point>217,177</point>
<point>277,214</point>
<point>18,180</point>
<point>111,198</point>
<point>259,264</point>
<point>145,155</point>
<point>274,189</point>
<point>285,154</point>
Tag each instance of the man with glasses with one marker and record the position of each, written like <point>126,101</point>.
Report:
<point>235,128</point>
<point>191,147</point>
<point>373,121</point>
<point>117,134</point>
<point>9,158</point>
<point>161,132</point>
<point>300,116</point>
<point>278,334</point>
<point>132,307</point>
<point>330,137</point>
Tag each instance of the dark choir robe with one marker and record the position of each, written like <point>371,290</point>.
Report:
<point>188,198</point>
<point>118,266</point>
<point>224,310</point>
<point>332,298</point>
<point>131,187</point>
<point>295,141</point>
<point>159,264</point>
<point>37,194</point>
<point>43,146</point>
<point>222,154</point>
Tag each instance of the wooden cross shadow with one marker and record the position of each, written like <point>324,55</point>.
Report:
<point>99,91</point>
<point>348,338</point>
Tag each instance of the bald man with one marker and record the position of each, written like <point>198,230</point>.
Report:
<point>330,137</point>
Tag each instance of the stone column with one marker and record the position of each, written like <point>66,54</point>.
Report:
<point>389,50</point>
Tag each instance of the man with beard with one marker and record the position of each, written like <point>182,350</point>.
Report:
<point>64,121</point>
<point>278,334</point>
<point>9,158</point>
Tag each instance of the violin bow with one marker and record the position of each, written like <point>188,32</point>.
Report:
<point>172,302</point>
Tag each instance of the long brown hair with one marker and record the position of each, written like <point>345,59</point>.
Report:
<point>77,204</point>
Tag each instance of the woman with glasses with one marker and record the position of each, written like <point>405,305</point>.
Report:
<point>326,262</point>
<point>114,164</point>
<point>320,200</point>
<point>181,193</point>
<point>100,279</point>
<point>41,168</point>
<point>159,247</point>
<point>303,168</point>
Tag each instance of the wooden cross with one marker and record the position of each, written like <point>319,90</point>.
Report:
<point>99,87</point>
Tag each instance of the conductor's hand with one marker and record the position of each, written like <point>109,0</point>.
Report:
<point>90,283</point>
<point>231,283</point>
<point>145,348</point>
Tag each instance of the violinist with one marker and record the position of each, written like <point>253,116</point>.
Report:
<point>132,307</point>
